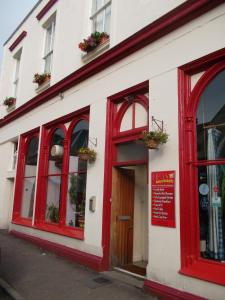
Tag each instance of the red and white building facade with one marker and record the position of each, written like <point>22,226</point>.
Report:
<point>161,211</point>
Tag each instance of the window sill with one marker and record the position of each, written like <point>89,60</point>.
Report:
<point>96,52</point>
<point>11,108</point>
<point>76,233</point>
<point>22,221</point>
<point>43,87</point>
<point>206,270</point>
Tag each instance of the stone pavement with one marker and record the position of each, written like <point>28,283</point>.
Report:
<point>36,274</point>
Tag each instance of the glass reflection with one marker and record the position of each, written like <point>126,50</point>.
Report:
<point>211,119</point>
<point>56,152</point>
<point>211,187</point>
<point>28,197</point>
<point>76,200</point>
<point>53,198</point>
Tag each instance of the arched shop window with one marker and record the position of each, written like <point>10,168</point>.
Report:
<point>76,195</point>
<point>210,127</point>
<point>62,186</point>
<point>26,178</point>
<point>202,169</point>
<point>29,180</point>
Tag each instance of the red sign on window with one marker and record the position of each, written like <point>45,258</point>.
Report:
<point>163,198</point>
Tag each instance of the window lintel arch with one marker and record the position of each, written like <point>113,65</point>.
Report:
<point>74,123</point>
<point>138,98</point>
<point>200,87</point>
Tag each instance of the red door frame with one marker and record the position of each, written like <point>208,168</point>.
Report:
<point>112,136</point>
<point>191,262</point>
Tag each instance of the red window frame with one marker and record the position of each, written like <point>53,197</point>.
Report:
<point>22,151</point>
<point>192,264</point>
<point>47,130</point>
<point>40,222</point>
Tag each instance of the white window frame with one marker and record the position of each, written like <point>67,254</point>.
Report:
<point>17,58</point>
<point>95,13</point>
<point>49,41</point>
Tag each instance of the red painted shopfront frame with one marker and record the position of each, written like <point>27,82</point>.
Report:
<point>44,148</point>
<point>113,136</point>
<point>191,262</point>
<point>18,194</point>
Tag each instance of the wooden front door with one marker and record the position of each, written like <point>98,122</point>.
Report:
<point>122,215</point>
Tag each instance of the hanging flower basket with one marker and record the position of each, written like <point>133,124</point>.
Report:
<point>152,144</point>
<point>95,39</point>
<point>153,139</point>
<point>87,154</point>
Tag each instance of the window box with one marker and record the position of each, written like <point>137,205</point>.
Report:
<point>96,52</point>
<point>10,102</point>
<point>43,86</point>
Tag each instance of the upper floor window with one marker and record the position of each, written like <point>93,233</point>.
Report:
<point>49,44</point>
<point>17,58</point>
<point>101,13</point>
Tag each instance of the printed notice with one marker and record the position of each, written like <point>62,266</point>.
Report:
<point>163,198</point>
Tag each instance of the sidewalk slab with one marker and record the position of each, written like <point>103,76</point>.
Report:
<point>37,274</point>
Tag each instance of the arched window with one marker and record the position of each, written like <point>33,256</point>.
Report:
<point>54,176</point>
<point>132,113</point>
<point>29,179</point>
<point>210,127</point>
<point>26,178</point>
<point>76,195</point>
<point>202,168</point>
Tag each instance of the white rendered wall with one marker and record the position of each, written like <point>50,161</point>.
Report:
<point>72,25</point>
<point>6,185</point>
<point>157,63</point>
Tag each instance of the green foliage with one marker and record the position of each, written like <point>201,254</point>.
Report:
<point>73,189</point>
<point>9,101</point>
<point>90,152</point>
<point>91,42</point>
<point>53,213</point>
<point>41,78</point>
<point>159,136</point>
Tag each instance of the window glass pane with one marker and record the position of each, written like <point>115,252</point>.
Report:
<point>211,191</point>
<point>141,116</point>
<point>56,152</point>
<point>99,19</point>
<point>131,151</point>
<point>53,198</point>
<point>97,4</point>
<point>49,38</point>
<point>31,157</point>
<point>48,63</point>
<point>211,120</point>
<point>126,123</point>
<point>79,139</point>
<point>76,200</point>
<point>107,19</point>
<point>28,197</point>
